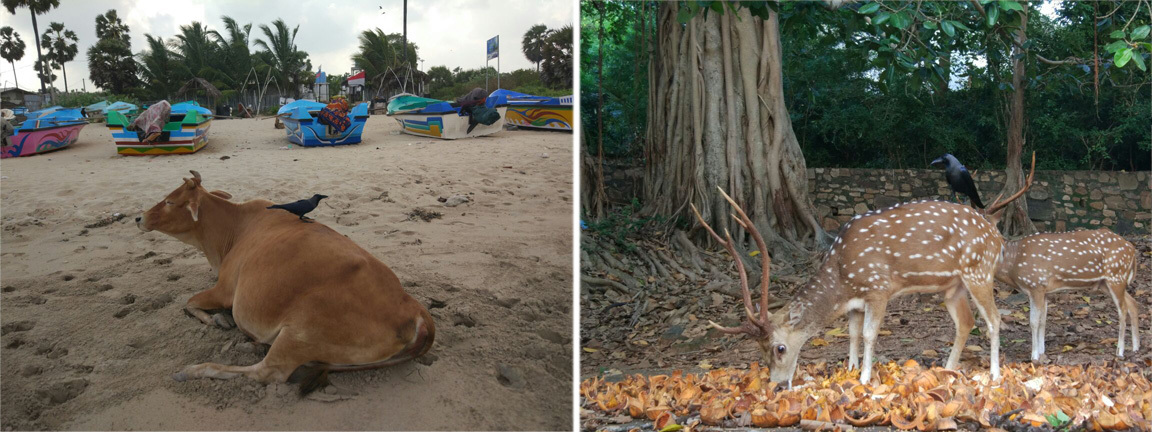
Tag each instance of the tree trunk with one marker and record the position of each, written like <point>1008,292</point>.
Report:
<point>14,78</point>
<point>1016,219</point>
<point>595,204</point>
<point>65,77</point>
<point>39,56</point>
<point>717,118</point>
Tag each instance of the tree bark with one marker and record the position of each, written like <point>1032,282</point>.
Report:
<point>39,56</point>
<point>1016,219</point>
<point>717,118</point>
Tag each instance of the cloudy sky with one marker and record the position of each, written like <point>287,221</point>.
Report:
<point>448,32</point>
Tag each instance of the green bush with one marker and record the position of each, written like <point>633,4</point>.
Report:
<point>80,100</point>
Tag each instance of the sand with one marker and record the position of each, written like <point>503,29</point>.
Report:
<point>93,322</point>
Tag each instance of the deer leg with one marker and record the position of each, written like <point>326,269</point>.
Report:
<point>1118,294</point>
<point>961,313</point>
<point>1037,315</point>
<point>985,299</point>
<point>285,355</point>
<point>855,321</point>
<point>216,297</point>
<point>873,317</point>
<point>1135,318</point>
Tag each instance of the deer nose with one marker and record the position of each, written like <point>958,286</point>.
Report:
<point>781,387</point>
<point>137,219</point>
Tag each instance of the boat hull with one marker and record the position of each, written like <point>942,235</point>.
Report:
<point>447,125</point>
<point>311,133</point>
<point>188,133</point>
<point>548,117</point>
<point>27,143</point>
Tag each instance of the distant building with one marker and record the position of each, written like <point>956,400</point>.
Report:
<point>11,97</point>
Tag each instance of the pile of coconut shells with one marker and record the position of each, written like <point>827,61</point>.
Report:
<point>1115,396</point>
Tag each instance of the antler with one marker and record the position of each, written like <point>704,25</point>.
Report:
<point>997,205</point>
<point>754,326</point>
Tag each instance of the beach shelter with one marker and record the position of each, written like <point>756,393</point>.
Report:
<point>199,84</point>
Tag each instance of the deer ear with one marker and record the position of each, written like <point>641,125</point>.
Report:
<point>794,313</point>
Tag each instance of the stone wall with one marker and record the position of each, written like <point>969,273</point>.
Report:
<point>1057,201</point>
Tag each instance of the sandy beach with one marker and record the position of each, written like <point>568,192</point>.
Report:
<point>92,307</point>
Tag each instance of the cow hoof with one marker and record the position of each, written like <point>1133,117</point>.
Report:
<point>222,321</point>
<point>180,376</point>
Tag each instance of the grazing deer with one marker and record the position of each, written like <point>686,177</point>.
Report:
<point>920,247</point>
<point>1050,262</point>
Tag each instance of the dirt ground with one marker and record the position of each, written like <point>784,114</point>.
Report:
<point>92,314</point>
<point>671,333</point>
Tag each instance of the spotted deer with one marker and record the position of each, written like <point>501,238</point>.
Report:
<point>919,247</point>
<point>1051,262</point>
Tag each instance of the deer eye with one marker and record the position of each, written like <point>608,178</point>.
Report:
<point>780,349</point>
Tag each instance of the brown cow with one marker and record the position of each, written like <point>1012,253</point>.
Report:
<point>314,295</point>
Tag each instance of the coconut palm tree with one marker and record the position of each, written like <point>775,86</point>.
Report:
<point>61,46</point>
<point>36,7</point>
<point>235,55</point>
<point>162,69</point>
<point>196,47</point>
<point>290,65</point>
<point>533,44</point>
<point>11,48</point>
<point>380,52</point>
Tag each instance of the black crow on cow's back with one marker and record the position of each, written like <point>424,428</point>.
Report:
<point>302,207</point>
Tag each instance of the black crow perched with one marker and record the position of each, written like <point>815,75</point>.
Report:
<point>959,179</point>
<point>302,207</point>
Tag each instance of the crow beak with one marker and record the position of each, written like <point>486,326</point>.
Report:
<point>937,161</point>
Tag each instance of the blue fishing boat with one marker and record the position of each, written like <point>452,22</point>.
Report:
<point>443,119</point>
<point>301,122</point>
<point>43,131</point>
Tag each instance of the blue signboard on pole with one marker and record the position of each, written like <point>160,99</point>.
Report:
<point>494,48</point>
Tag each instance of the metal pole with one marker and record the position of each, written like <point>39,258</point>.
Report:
<point>497,62</point>
<point>485,74</point>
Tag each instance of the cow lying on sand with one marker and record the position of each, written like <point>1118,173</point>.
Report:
<point>314,295</point>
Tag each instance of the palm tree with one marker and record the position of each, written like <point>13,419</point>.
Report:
<point>36,7</point>
<point>11,48</point>
<point>291,65</point>
<point>162,69</point>
<point>109,26</point>
<point>110,62</point>
<point>380,52</point>
<point>194,42</point>
<point>236,57</point>
<point>533,44</point>
<point>61,46</point>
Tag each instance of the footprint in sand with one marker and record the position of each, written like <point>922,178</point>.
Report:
<point>63,391</point>
<point>18,326</point>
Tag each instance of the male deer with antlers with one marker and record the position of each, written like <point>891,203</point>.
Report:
<point>920,247</point>
<point>1051,262</point>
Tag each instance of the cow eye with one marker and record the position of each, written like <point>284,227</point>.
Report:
<point>168,202</point>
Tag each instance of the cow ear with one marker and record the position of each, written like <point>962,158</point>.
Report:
<point>189,184</point>
<point>221,194</point>
<point>194,208</point>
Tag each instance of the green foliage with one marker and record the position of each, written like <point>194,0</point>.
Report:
<point>111,65</point>
<point>625,84</point>
<point>289,65</point>
<point>894,84</point>
<point>623,224</point>
<point>556,63</point>
<point>380,53</point>
<point>81,99</point>
<point>448,85</point>
<point>60,47</point>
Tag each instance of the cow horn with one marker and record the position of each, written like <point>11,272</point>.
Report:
<point>196,175</point>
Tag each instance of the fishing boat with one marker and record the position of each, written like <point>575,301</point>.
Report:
<point>302,124</point>
<point>442,119</point>
<point>538,112</point>
<point>186,131</point>
<point>44,131</point>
